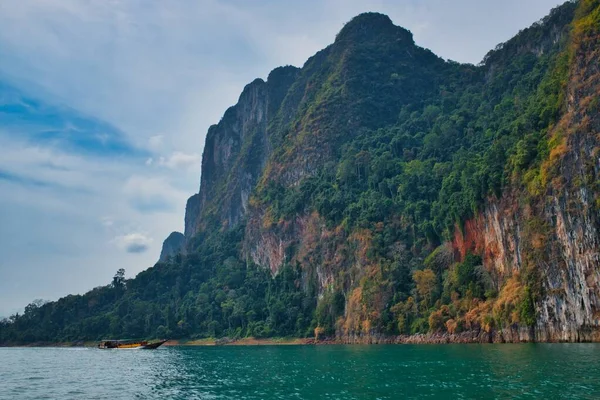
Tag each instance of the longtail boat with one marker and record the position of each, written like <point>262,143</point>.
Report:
<point>130,344</point>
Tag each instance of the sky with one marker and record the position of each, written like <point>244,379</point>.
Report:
<point>104,107</point>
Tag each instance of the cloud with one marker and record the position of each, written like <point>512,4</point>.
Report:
<point>35,183</point>
<point>156,142</point>
<point>53,166</point>
<point>58,126</point>
<point>107,222</point>
<point>42,169</point>
<point>134,242</point>
<point>151,194</point>
<point>180,160</point>
<point>26,181</point>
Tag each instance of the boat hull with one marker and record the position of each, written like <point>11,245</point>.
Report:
<point>152,346</point>
<point>130,345</point>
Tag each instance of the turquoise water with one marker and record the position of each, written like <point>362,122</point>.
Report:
<point>528,371</point>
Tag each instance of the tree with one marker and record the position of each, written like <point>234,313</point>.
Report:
<point>426,282</point>
<point>119,279</point>
<point>436,321</point>
<point>32,307</point>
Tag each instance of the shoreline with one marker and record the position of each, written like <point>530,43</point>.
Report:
<point>467,337</point>
<point>249,341</point>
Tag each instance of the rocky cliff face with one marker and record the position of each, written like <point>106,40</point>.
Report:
<point>235,153</point>
<point>558,232</point>
<point>173,245</point>
<point>538,239</point>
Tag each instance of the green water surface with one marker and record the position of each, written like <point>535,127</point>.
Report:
<point>527,371</point>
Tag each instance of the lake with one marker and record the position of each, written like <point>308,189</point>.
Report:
<point>515,371</point>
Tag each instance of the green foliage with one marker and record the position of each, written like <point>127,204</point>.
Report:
<point>467,279</point>
<point>527,308</point>
<point>330,307</point>
<point>119,279</point>
<point>439,158</point>
<point>206,294</point>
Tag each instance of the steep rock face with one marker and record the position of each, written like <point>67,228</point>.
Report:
<point>496,234</point>
<point>173,245</point>
<point>322,252</point>
<point>545,35</point>
<point>280,116</point>
<point>235,154</point>
<point>556,234</point>
<point>192,213</point>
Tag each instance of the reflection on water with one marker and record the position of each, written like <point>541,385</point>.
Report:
<point>561,371</point>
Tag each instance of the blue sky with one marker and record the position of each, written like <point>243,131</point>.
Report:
<point>104,105</point>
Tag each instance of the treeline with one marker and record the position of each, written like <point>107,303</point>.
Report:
<point>211,293</point>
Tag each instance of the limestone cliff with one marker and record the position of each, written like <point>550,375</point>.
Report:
<point>558,231</point>
<point>235,153</point>
<point>301,159</point>
<point>173,245</point>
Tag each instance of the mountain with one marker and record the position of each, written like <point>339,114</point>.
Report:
<point>380,191</point>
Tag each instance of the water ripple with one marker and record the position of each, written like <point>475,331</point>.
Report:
<point>304,372</point>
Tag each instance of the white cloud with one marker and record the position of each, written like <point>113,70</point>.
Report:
<point>179,160</point>
<point>156,142</point>
<point>134,242</point>
<point>107,222</point>
<point>151,194</point>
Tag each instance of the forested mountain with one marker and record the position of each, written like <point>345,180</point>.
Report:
<point>380,191</point>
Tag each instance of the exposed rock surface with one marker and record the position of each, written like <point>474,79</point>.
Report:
<point>560,235</point>
<point>173,245</point>
<point>235,154</point>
